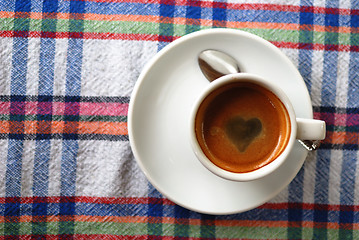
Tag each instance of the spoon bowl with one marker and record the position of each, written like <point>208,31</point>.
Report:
<point>215,64</point>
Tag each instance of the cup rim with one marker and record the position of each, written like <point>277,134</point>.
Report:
<point>270,167</point>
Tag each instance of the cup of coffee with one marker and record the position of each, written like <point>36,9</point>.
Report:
<point>243,127</point>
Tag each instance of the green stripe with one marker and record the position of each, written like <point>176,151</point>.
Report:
<point>133,229</point>
<point>208,227</point>
<point>251,232</point>
<point>49,25</point>
<point>152,28</point>
<point>7,24</point>
<point>103,118</point>
<point>21,24</point>
<point>111,228</point>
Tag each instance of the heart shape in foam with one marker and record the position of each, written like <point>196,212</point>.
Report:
<point>242,132</point>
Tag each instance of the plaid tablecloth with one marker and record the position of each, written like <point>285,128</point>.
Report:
<point>67,70</point>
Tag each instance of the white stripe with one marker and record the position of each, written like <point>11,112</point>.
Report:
<point>317,78</point>
<point>27,170</point>
<point>55,168</point>
<point>292,54</point>
<point>342,79</point>
<point>114,69</point>
<point>106,169</point>
<point>335,169</point>
<point>309,177</point>
<point>319,3</point>
<point>344,4</point>
<point>6,65</point>
<point>33,63</point>
<point>60,62</point>
<point>281,197</point>
<point>3,161</point>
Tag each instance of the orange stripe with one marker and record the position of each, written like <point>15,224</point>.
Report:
<point>58,127</point>
<point>4,127</point>
<point>6,14</point>
<point>283,26</point>
<point>111,128</point>
<point>351,138</point>
<point>338,137</point>
<point>127,219</point>
<point>342,138</point>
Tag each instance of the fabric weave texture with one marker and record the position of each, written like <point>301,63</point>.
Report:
<point>67,71</point>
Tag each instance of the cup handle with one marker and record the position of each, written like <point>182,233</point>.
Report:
<point>310,129</point>
<point>310,132</point>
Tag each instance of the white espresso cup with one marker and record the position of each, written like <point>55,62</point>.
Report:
<point>243,127</point>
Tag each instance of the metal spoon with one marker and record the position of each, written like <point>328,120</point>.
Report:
<point>215,63</point>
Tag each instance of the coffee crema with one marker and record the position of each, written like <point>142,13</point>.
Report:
<point>242,127</point>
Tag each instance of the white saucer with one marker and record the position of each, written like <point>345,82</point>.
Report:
<point>158,121</point>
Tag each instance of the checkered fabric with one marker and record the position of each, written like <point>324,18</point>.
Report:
<point>67,70</point>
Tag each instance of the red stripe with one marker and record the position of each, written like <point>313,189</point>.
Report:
<point>316,46</point>
<point>310,206</point>
<point>88,35</point>
<point>155,37</point>
<point>99,236</point>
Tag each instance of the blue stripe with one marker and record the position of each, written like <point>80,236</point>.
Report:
<point>193,16</point>
<point>322,176</point>
<point>165,29</point>
<point>19,66</point>
<point>321,192</point>
<point>122,8</point>
<point>46,68</point>
<point>347,189</point>
<point>41,167</point>
<point>74,65</point>
<point>239,15</point>
<point>353,86</point>
<point>154,209</point>
<point>13,168</point>
<point>16,147</point>
<point>22,5</point>
<point>173,211</point>
<point>46,79</point>
<point>68,167</point>
<point>208,227</point>
<point>70,147</point>
<point>295,211</point>
<point>6,5</point>
<point>347,184</point>
<point>219,13</point>
<point>330,60</point>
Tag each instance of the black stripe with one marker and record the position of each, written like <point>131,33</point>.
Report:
<point>44,98</point>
